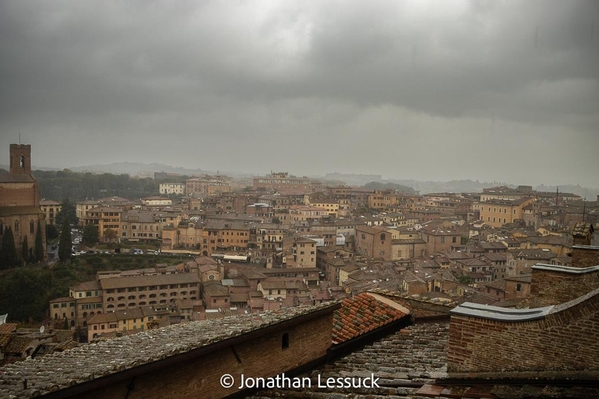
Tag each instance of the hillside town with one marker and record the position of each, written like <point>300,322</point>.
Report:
<point>280,241</point>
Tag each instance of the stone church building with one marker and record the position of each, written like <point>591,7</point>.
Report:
<point>20,200</point>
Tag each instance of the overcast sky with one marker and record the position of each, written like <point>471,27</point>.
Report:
<point>429,90</point>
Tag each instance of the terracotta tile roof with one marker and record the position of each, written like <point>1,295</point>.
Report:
<point>15,178</point>
<point>4,338</point>
<point>7,328</point>
<point>17,344</point>
<point>582,229</point>
<point>363,313</point>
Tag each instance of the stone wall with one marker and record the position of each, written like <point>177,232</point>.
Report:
<point>557,338</point>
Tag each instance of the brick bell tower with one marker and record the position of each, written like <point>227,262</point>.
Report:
<point>20,159</point>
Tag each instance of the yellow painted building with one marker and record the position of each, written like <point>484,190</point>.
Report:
<point>499,212</point>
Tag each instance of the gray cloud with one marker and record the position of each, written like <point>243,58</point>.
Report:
<point>407,89</point>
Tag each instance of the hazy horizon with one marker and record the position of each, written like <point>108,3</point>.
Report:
<point>455,90</point>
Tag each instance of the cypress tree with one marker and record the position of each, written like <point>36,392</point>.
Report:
<point>8,254</point>
<point>39,245</point>
<point>65,244</point>
<point>25,250</point>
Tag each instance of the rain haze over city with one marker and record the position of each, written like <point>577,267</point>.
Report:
<point>481,90</point>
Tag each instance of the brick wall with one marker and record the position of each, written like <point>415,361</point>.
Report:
<point>585,256</point>
<point>563,340</point>
<point>18,194</point>
<point>200,377</point>
<point>550,287</point>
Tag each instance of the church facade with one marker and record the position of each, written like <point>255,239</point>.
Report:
<point>20,201</point>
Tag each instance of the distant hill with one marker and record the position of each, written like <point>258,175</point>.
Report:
<point>137,169</point>
<point>373,185</point>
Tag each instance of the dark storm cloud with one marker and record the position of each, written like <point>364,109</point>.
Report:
<point>227,74</point>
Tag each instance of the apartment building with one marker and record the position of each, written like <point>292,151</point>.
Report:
<point>383,200</point>
<point>131,292</point>
<point>282,181</point>
<point>440,239</point>
<point>207,185</point>
<point>171,188</point>
<point>299,252</point>
<point>50,209</point>
<point>82,207</point>
<point>137,225</point>
<point>105,218</point>
<point>496,213</point>
<point>156,200</point>
<point>209,237</point>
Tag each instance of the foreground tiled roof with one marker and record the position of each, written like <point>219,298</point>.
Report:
<point>364,313</point>
<point>403,361</point>
<point>88,362</point>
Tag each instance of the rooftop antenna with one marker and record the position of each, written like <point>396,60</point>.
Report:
<point>19,138</point>
<point>584,209</point>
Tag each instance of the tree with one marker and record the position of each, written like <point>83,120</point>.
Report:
<point>51,232</point>
<point>66,243</point>
<point>8,254</point>
<point>39,244</point>
<point>69,211</point>
<point>110,234</point>
<point>25,250</point>
<point>90,235</point>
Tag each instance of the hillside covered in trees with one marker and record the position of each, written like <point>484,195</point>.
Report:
<point>58,185</point>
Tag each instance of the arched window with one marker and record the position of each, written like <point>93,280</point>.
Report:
<point>31,227</point>
<point>16,226</point>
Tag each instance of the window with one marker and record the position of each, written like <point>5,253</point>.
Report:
<point>518,287</point>
<point>285,341</point>
<point>31,227</point>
